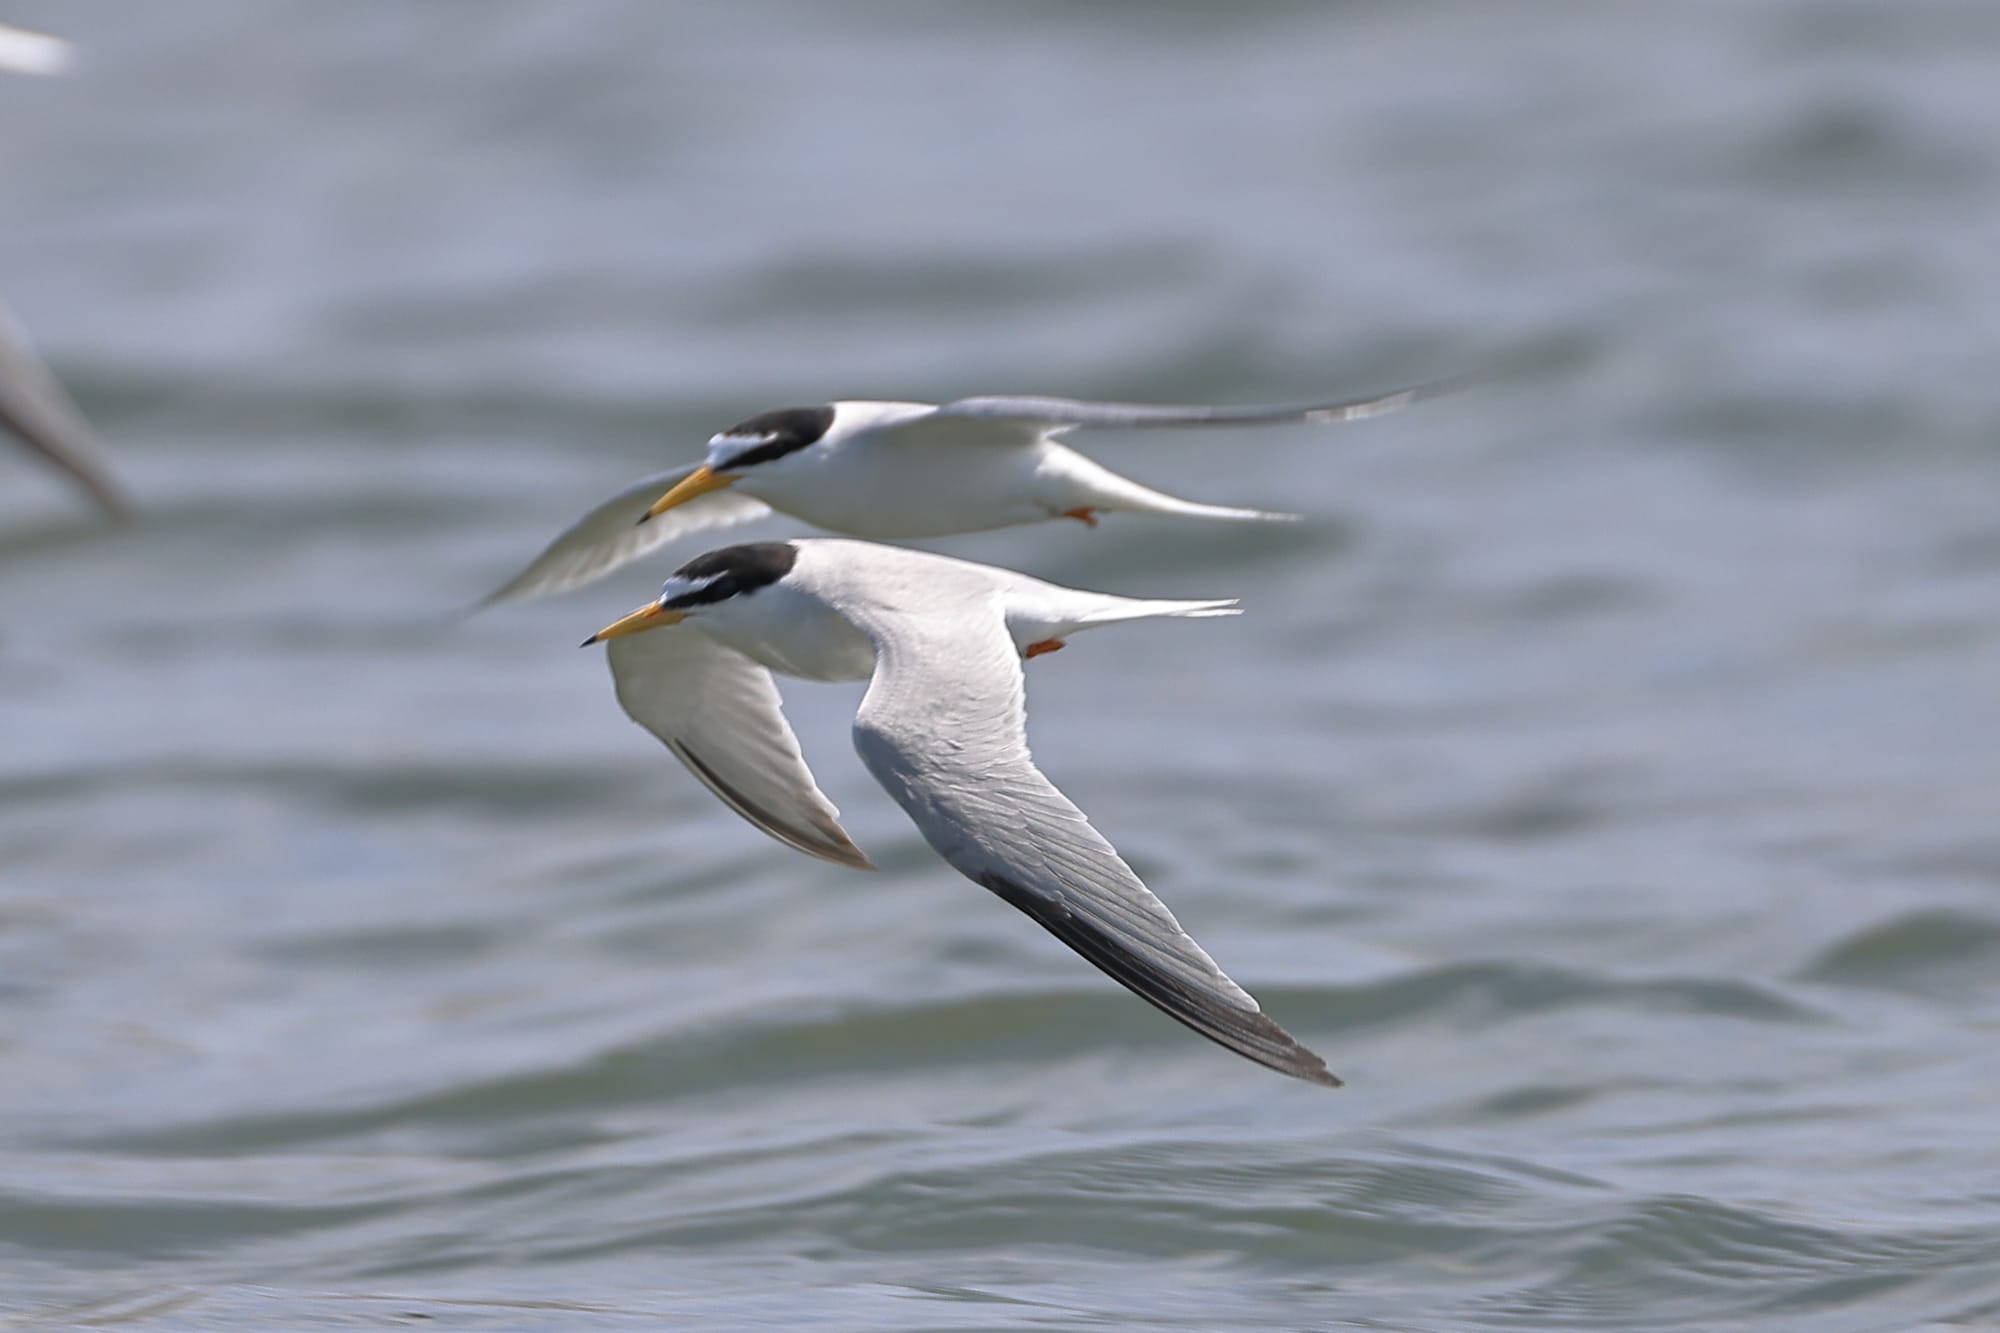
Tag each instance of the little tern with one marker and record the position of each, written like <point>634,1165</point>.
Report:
<point>33,405</point>
<point>890,471</point>
<point>942,727</point>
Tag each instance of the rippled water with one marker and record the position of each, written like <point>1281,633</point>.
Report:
<point>1604,779</point>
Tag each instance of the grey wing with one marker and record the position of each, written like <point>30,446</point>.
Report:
<point>942,729</point>
<point>1052,415</point>
<point>719,713</point>
<point>611,536</point>
<point>35,407</point>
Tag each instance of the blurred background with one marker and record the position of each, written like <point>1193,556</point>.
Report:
<point>1603,778</point>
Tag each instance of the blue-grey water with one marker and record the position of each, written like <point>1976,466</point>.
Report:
<point>1605,777</point>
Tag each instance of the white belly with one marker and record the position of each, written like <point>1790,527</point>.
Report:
<point>897,490</point>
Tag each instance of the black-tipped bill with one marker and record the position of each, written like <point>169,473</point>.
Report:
<point>696,483</point>
<point>650,616</point>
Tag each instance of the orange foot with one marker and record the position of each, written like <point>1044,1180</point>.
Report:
<point>1045,646</point>
<point>1086,516</point>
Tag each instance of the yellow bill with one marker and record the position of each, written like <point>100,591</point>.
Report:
<point>650,616</point>
<point>696,483</point>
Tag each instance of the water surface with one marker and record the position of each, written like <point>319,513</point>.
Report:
<point>1603,778</point>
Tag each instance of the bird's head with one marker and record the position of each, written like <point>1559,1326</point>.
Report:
<point>763,443</point>
<point>719,578</point>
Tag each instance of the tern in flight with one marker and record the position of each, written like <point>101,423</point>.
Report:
<point>889,471</point>
<point>942,727</point>
<point>33,406</point>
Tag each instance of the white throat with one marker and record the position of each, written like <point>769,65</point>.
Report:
<point>791,632</point>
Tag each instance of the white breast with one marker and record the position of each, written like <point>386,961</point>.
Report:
<point>904,484</point>
<point>792,633</point>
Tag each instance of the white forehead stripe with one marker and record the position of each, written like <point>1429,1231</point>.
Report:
<point>677,586</point>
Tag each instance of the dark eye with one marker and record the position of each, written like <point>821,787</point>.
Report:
<point>763,453</point>
<point>716,590</point>
<point>774,434</point>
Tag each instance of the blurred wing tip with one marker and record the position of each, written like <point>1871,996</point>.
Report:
<point>1374,407</point>
<point>498,597</point>
<point>111,501</point>
<point>25,52</point>
<point>1394,401</point>
<point>506,592</point>
<point>1321,1075</point>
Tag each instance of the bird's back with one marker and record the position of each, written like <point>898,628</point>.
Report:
<point>867,582</point>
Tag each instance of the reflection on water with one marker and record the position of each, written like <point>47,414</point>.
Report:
<point>1602,778</point>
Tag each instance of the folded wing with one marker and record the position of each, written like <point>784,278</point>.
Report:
<point>611,536</point>
<point>719,712</point>
<point>942,729</point>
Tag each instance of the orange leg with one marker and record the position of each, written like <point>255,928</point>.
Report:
<point>1085,516</point>
<point>1045,646</point>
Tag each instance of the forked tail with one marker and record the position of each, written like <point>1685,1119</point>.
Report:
<point>1087,485</point>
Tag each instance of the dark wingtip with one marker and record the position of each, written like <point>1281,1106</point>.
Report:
<point>1298,1060</point>
<point>115,505</point>
<point>1317,1072</point>
<point>1252,1033</point>
<point>825,840</point>
<point>832,844</point>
